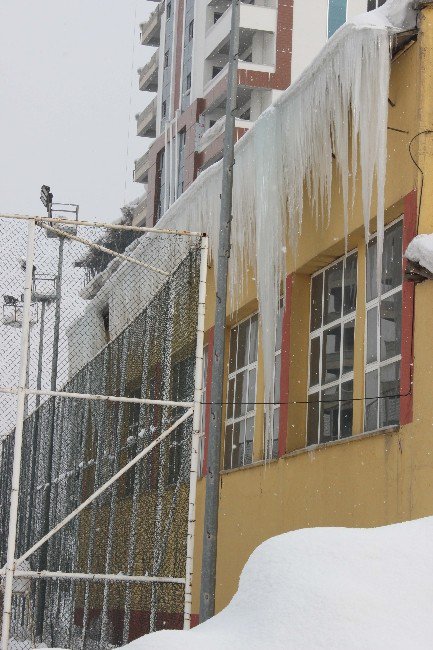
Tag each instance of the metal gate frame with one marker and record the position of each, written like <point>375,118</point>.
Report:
<point>10,570</point>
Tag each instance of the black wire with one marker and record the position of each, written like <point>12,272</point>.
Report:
<point>318,401</point>
<point>426,132</point>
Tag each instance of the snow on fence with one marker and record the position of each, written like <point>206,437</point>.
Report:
<point>100,397</point>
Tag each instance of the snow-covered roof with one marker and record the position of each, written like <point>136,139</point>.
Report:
<point>325,589</point>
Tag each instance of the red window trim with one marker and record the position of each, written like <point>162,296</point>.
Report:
<point>207,394</point>
<point>285,367</point>
<point>408,305</point>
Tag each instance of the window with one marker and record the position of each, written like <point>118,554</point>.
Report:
<point>217,15</point>
<point>203,413</point>
<point>246,115</point>
<point>332,329</point>
<point>374,4</point>
<point>188,81</point>
<point>241,394</point>
<point>106,322</point>
<point>336,15</point>
<point>216,69</point>
<point>133,422</point>
<point>164,109</point>
<point>181,162</point>
<point>160,184</point>
<point>166,56</point>
<point>275,408</point>
<point>383,332</point>
<point>182,391</point>
<point>191,30</point>
<point>168,10</point>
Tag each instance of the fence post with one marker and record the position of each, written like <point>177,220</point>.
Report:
<point>21,400</point>
<point>198,395</point>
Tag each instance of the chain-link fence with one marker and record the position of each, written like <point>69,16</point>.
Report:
<point>101,371</point>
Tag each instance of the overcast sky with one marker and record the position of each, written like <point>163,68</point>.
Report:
<point>66,106</point>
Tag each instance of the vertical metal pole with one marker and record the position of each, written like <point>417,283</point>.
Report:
<point>207,596</point>
<point>34,442</point>
<point>46,511</point>
<point>195,444</point>
<point>21,398</point>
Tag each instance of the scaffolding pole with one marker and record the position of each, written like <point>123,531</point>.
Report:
<point>16,472</point>
<point>195,443</point>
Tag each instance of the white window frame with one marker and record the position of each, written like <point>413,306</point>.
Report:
<point>319,332</point>
<point>371,304</point>
<point>277,354</point>
<point>230,422</point>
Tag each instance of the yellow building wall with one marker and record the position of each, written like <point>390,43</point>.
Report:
<point>369,479</point>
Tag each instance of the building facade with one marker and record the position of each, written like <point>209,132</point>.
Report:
<point>188,74</point>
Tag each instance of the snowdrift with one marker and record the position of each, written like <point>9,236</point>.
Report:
<point>330,588</point>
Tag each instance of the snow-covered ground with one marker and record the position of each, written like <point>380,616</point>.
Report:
<point>325,588</point>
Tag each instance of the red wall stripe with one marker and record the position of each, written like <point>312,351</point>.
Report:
<point>208,398</point>
<point>408,302</point>
<point>285,367</point>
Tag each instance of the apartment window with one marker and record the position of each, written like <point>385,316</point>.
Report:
<point>191,30</point>
<point>337,11</point>
<point>246,115</point>
<point>332,329</point>
<point>383,331</point>
<point>217,15</point>
<point>216,69</point>
<point>188,81</point>
<point>166,57</point>
<point>203,412</point>
<point>168,10</point>
<point>160,184</point>
<point>275,407</point>
<point>164,109</point>
<point>181,162</point>
<point>241,394</point>
<point>374,4</point>
<point>183,382</point>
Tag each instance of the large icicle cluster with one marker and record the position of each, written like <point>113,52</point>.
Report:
<point>337,108</point>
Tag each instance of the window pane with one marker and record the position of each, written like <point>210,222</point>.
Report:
<point>314,361</point>
<point>240,395</point>
<point>346,415</point>
<point>350,284</point>
<point>249,437</point>
<point>331,354</point>
<point>230,399</point>
<point>336,15</point>
<point>371,401</point>
<point>253,339</point>
<point>251,390</point>
<point>330,412</point>
<point>390,385</point>
<point>333,293</point>
<point>390,326</point>
<point>235,444</point>
<point>313,419</point>
<point>372,335</point>
<point>241,443</point>
<point>228,447</point>
<point>232,361</point>
<point>392,257</point>
<point>348,346</point>
<point>242,359</point>
<point>371,270</point>
<point>316,302</point>
<point>277,378</point>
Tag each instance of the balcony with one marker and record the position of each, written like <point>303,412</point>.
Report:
<point>140,212</point>
<point>141,169</point>
<point>151,29</point>
<point>252,19</point>
<point>146,121</point>
<point>217,130</point>
<point>149,74</point>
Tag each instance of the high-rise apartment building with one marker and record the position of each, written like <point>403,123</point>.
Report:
<point>188,74</point>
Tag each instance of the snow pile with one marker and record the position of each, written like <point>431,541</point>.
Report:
<point>330,588</point>
<point>420,250</point>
